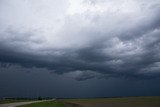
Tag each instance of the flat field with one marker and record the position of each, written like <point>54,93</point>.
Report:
<point>46,104</point>
<point>102,102</point>
<point>116,102</point>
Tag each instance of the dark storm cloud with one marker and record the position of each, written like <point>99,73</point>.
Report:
<point>92,45</point>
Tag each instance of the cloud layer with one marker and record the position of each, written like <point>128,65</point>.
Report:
<point>83,39</point>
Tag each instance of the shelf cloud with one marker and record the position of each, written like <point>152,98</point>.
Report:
<point>83,39</point>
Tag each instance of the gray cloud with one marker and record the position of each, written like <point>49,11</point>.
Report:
<point>100,42</point>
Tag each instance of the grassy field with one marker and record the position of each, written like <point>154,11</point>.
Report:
<point>116,102</point>
<point>101,102</point>
<point>46,104</point>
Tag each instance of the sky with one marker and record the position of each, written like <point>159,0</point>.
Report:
<point>79,48</point>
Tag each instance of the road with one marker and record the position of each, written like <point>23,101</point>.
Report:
<point>21,103</point>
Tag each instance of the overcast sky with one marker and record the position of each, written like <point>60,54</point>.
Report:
<point>79,48</point>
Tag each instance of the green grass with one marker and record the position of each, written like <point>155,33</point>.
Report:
<point>46,104</point>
